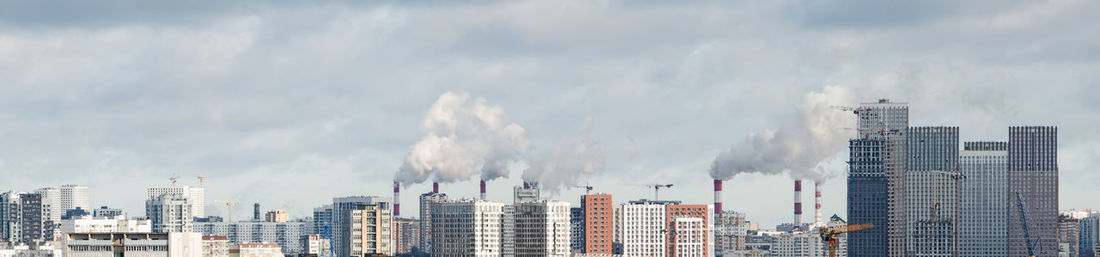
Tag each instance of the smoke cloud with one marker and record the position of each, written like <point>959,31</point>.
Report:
<point>797,147</point>
<point>463,135</point>
<point>560,167</point>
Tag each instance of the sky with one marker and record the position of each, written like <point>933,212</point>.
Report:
<point>290,104</point>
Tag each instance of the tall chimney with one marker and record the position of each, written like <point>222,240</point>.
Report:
<point>526,185</point>
<point>435,187</point>
<point>256,211</point>
<point>483,190</point>
<point>817,203</point>
<point>396,198</point>
<point>798,203</point>
<point>717,198</point>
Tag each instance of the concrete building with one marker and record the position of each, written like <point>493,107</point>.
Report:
<point>216,246</point>
<point>1089,232</point>
<point>74,196</point>
<point>426,202</point>
<point>598,223</point>
<point>690,230</point>
<point>279,215</point>
<point>256,250</point>
<point>105,212</point>
<point>341,217</point>
<point>371,233</point>
<point>932,184</point>
<point>643,228</point>
<point>797,244</point>
<point>883,122</point>
<point>1069,237</point>
<point>1033,176</point>
<point>317,245</point>
<point>288,235</point>
<point>176,244</point>
<point>541,228</point>
<point>576,230</point>
<point>47,250</point>
<point>842,239</point>
<point>528,192</point>
<point>406,235</point>
<point>170,212</point>
<point>194,195</point>
<point>25,219</point>
<point>51,199</point>
<point>730,232</point>
<point>118,224</point>
<point>867,197</point>
<point>984,201</point>
<point>322,221</point>
<point>466,228</point>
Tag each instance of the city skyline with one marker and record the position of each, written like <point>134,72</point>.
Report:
<point>328,99</point>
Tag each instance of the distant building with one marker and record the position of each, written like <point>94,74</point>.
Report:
<point>730,232</point>
<point>842,239</point>
<point>216,246</point>
<point>277,216</point>
<point>1069,237</point>
<point>466,228</point>
<point>175,244</point>
<point>322,221</point>
<point>983,199</point>
<point>289,235</point>
<point>341,217</point>
<point>426,202</point>
<point>528,192</point>
<point>1089,234</point>
<point>541,228</point>
<point>598,223</point>
<point>1033,176</point>
<point>797,244</point>
<point>194,195</point>
<point>24,218</point>
<point>316,245</point>
<point>867,198</point>
<point>170,212</point>
<point>371,230</point>
<point>576,230</point>
<point>406,235</point>
<point>880,149</point>
<point>690,230</point>
<point>643,228</point>
<point>256,250</point>
<point>118,224</point>
<point>105,212</point>
<point>931,181</point>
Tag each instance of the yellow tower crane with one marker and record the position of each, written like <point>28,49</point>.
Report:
<point>828,235</point>
<point>228,203</point>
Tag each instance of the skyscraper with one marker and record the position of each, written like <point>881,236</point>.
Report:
<point>983,199</point>
<point>1033,177</point>
<point>876,186</point>
<point>426,202</point>
<point>931,185</point>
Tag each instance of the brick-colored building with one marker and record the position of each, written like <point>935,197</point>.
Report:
<point>686,217</point>
<point>598,223</point>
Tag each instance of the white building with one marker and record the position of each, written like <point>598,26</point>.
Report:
<point>194,195</point>
<point>797,244</point>
<point>256,250</point>
<point>74,196</point>
<point>317,245</point>
<point>541,228</point>
<point>371,233</point>
<point>984,199</point>
<point>641,229</point>
<point>289,235</point>
<point>118,224</point>
<point>690,239</point>
<point>169,212</point>
<point>468,228</point>
<point>46,250</point>
<point>174,244</point>
<point>341,217</point>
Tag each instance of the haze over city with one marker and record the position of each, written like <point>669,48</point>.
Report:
<point>292,104</point>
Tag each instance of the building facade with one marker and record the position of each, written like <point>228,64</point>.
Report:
<point>341,217</point>
<point>426,202</point>
<point>730,231</point>
<point>887,121</point>
<point>983,203</point>
<point>466,228</point>
<point>371,230</point>
<point>118,224</point>
<point>406,235</point>
<point>1033,177</point>
<point>24,218</point>
<point>176,244</point>
<point>867,196</point>
<point>932,185</point>
<point>194,195</point>
<point>690,230</point>
<point>643,229</point>
<point>277,216</point>
<point>576,229</point>
<point>598,223</point>
<point>1069,237</point>
<point>541,228</point>
<point>170,212</point>
<point>288,235</point>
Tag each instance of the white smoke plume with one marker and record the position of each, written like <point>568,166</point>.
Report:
<point>798,146</point>
<point>560,167</point>
<point>463,135</point>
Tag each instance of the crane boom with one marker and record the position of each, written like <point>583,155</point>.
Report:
<point>828,235</point>
<point>1023,222</point>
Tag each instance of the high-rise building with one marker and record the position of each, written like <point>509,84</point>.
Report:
<point>427,200</point>
<point>170,212</point>
<point>931,181</point>
<point>576,229</point>
<point>74,196</point>
<point>1033,177</point>
<point>643,228</point>
<point>598,223</point>
<point>24,218</point>
<point>528,192</point>
<point>342,208</point>
<point>690,230</point>
<point>279,215</point>
<point>290,235</point>
<point>1089,234</point>
<point>1068,236</point>
<point>541,228</point>
<point>983,201</point>
<point>406,235</point>
<point>195,197</point>
<point>730,231</point>
<point>880,151</point>
<point>867,197</point>
<point>322,221</point>
<point>467,228</point>
<point>51,199</point>
<point>371,230</point>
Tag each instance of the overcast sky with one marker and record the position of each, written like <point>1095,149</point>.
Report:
<point>290,104</point>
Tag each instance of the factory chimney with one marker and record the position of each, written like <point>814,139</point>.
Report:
<point>718,198</point>
<point>435,187</point>
<point>798,203</point>
<point>483,190</point>
<point>396,198</point>
<point>256,211</point>
<point>817,204</point>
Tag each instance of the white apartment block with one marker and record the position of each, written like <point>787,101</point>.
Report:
<point>256,250</point>
<point>51,200</point>
<point>74,196</point>
<point>169,213</point>
<point>641,229</point>
<point>118,224</point>
<point>467,228</point>
<point>798,244</point>
<point>290,236</point>
<point>133,244</point>
<point>195,196</point>
<point>690,237</point>
<point>371,231</point>
<point>541,228</point>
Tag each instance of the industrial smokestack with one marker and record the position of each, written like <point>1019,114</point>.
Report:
<point>526,185</point>
<point>718,198</point>
<point>483,190</point>
<point>396,198</point>
<point>798,203</point>
<point>435,187</point>
<point>256,211</point>
<point>817,203</point>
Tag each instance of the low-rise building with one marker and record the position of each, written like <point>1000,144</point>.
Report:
<point>288,235</point>
<point>174,244</point>
<point>116,224</point>
<point>215,246</point>
<point>256,250</point>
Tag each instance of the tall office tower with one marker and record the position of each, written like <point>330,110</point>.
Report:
<point>1089,234</point>
<point>598,222</point>
<point>690,230</point>
<point>467,228</point>
<point>983,199</point>
<point>256,211</point>
<point>74,196</point>
<point>867,198</point>
<point>170,212</point>
<point>881,128</point>
<point>51,200</point>
<point>931,197</point>
<point>407,234</point>
<point>643,228</point>
<point>371,230</point>
<point>195,196</point>
<point>1033,176</point>
<point>427,200</point>
<point>322,221</point>
<point>541,228</point>
<point>576,229</point>
<point>1068,236</point>
<point>341,217</point>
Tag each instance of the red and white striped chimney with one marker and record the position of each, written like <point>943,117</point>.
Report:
<point>396,198</point>
<point>817,203</point>
<point>483,190</point>
<point>798,203</point>
<point>435,187</point>
<point>717,198</point>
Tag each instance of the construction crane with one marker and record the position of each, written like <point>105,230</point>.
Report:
<point>1023,222</point>
<point>202,178</point>
<point>656,188</point>
<point>829,235</point>
<point>587,189</point>
<point>228,203</point>
<point>173,178</point>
